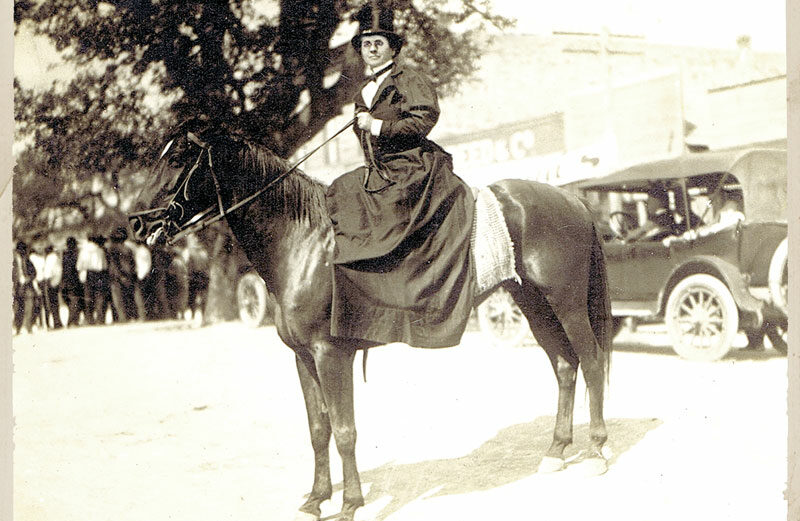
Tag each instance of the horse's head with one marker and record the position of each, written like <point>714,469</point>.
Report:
<point>206,171</point>
<point>180,189</point>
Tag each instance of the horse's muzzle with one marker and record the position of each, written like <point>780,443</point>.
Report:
<point>157,238</point>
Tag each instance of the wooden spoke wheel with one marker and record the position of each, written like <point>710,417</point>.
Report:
<point>702,318</point>
<point>501,320</point>
<point>251,296</point>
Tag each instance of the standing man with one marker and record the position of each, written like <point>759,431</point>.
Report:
<point>39,286</point>
<point>141,294</point>
<point>121,275</point>
<point>24,278</point>
<point>71,286</point>
<point>52,275</point>
<point>93,268</point>
<point>402,222</point>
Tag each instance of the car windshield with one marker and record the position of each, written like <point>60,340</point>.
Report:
<point>658,209</point>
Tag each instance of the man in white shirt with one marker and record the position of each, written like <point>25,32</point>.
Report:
<point>144,264</point>
<point>93,270</point>
<point>52,275</point>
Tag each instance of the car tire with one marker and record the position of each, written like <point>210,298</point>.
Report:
<point>501,320</point>
<point>777,334</point>
<point>702,318</point>
<point>251,297</point>
<point>778,276</point>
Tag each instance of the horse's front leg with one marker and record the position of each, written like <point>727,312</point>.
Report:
<point>320,426</point>
<point>566,371</point>
<point>335,369</point>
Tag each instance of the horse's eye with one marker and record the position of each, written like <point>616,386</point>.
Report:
<point>175,157</point>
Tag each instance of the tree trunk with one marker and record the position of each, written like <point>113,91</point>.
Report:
<point>221,304</point>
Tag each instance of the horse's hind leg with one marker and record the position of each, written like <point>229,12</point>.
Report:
<point>320,426</point>
<point>552,338</point>
<point>572,313</point>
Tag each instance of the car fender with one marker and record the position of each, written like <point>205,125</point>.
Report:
<point>729,274</point>
<point>777,267</point>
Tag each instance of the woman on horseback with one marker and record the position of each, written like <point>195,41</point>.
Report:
<point>402,222</point>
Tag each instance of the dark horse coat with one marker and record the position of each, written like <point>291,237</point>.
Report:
<point>287,236</point>
<point>402,227</point>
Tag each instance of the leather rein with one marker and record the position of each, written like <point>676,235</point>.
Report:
<point>209,216</point>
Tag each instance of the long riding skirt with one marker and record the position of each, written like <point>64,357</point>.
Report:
<point>402,266</point>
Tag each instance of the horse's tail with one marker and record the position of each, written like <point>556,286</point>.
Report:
<point>599,302</point>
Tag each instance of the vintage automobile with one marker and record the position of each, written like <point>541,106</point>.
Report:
<point>707,279</point>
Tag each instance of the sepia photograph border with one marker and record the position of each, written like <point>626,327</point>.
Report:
<point>6,358</point>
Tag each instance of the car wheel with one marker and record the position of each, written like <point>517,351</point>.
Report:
<point>501,320</point>
<point>251,296</point>
<point>702,318</point>
<point>779,276</point>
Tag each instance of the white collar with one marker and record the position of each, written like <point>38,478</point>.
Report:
<point>373,70</point>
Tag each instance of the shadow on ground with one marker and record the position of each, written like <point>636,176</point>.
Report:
<point>513,454</point>
<point>666,350</point>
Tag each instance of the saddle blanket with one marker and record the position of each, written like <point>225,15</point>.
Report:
<point>492,248</point>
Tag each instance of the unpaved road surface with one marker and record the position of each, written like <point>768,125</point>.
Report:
<point>167,421</point>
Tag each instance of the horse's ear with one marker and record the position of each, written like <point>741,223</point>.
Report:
<point>194,138</point>
<point>198,124</point>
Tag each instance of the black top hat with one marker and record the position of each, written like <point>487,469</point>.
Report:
<point>380,22</point>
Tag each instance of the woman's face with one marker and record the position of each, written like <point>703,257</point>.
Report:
<point>375,50</point>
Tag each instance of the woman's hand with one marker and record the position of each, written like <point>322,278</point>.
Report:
<point>364,120</point>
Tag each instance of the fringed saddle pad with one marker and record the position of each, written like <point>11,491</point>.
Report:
<point>492,249</point>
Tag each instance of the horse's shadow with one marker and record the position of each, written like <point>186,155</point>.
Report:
<point>738,354</point>
<point>513,454</point>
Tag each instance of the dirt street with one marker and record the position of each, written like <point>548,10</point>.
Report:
<point>168,421</point>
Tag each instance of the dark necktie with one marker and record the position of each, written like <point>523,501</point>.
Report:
<point>374,77</point>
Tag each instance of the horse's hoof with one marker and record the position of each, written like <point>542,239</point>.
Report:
<point>593,466</point>
<point>305,516</point>
<point>550,464</point>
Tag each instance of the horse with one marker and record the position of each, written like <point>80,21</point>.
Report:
<point>278,215</point>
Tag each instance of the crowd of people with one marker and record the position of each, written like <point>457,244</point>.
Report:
<point>104,279</point>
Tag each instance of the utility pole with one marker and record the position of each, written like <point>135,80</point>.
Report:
<point>604,44</point>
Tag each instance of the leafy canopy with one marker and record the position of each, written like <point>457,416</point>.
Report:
<point>278,70</point>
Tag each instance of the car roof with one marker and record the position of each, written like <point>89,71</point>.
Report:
<point>695,167</point>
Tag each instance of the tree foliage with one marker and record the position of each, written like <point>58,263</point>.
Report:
<point>277,69</point>
<point>280,76</point>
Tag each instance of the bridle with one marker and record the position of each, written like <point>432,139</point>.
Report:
<point>216,212</point>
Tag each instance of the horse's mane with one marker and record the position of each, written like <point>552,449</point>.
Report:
<point>297,196</point>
